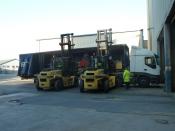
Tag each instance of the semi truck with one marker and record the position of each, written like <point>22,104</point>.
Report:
<point>143,63</point>
<point>144,66</point>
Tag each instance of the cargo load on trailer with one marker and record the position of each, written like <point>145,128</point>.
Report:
<point>33,63</point>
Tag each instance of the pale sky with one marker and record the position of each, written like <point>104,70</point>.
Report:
<point>24,21</point>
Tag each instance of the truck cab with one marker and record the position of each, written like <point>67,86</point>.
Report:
<point>145,66</point>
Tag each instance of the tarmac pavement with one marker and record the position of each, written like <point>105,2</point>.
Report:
<point>23,108</point>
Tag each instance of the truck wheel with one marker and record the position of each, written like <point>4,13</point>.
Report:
<point>106,86</point>
<point>81,85</point>
<point>36,81</point>
<point>58,85</point>
<point>144,82</point>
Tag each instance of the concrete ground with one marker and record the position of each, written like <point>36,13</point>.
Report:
<point>23,108</point>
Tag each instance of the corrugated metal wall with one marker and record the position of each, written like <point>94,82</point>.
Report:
<point>85,41</point>
<point>158,11</point>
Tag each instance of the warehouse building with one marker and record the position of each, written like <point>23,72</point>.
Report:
<point>161,31</point>
<point>9,66</point>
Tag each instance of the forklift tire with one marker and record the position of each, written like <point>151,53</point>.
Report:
<point>75,82</point>
<point>36,81</point>
<point>81,85</point>
<point>106,86</point>
<point>58,85</point>
<point>116,83</point>
<point>119,82</point>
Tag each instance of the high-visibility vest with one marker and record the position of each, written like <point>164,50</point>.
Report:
<point>126,75</point>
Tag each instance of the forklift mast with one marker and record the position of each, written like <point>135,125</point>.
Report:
<point>104,41</point>
<point>69,66</point>
<point>66,40</point>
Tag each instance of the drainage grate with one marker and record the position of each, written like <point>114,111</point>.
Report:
<point>16,101</point>
<point>161,121</point>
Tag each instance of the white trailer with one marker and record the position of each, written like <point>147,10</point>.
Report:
<point>144,66</point>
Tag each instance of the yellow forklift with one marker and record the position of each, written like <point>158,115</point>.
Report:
<point>101,74</point>
<point>63,72</point>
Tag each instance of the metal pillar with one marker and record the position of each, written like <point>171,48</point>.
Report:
<point>172,56</point>
<point>141,42</point>
<point>167,43</point>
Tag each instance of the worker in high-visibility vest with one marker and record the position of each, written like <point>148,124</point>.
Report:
<point>126,77</point>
